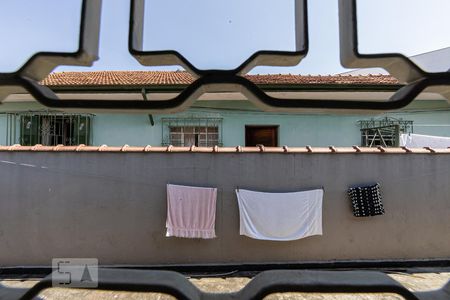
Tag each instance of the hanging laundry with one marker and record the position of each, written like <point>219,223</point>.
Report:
<point>366,200</point>
<point>191,211</point>
<point>280,216</point>
<point>418,141</point>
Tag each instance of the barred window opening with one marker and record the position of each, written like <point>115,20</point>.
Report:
<point>383,132</point>
<point>186,132</point>
<point>48,129</point>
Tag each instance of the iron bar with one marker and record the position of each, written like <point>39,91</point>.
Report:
<point>262,285</point>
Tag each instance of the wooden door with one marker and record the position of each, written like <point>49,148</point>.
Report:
<point>261,135</point>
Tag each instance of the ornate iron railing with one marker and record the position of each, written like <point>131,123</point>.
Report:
<point>264,284</point>
<point>416,80</point>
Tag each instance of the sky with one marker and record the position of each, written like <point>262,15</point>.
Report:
<point>221,33</point>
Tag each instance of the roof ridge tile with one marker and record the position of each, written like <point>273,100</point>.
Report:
<point>284,149</point>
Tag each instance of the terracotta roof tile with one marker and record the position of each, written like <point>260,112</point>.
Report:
<point>117,78</point>
<point>320,79</point>
<point>145,78</point>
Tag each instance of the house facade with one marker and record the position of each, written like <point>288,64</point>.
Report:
<point>223,119</point>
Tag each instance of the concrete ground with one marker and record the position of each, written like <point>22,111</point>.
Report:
<point>416,281</point>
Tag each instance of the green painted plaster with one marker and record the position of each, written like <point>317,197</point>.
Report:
<point>430,117</point>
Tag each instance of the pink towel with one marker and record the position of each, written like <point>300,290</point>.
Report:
<point>191,211</point>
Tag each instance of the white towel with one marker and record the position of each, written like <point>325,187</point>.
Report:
<point>280,216</point>
<point>191,211</point>
<point>419,141</point>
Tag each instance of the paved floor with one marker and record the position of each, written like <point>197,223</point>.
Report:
<point>413,281</point>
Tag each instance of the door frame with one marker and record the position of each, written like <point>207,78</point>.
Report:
<point>276,127</point>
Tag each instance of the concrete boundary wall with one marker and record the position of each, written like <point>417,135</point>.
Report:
<point>112,206</point>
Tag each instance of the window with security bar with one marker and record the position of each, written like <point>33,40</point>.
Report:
<point>48,129</point>
<point>186,132</point>
<point>383,132</point>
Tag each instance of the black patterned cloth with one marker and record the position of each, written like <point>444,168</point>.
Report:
<point>366,200</point>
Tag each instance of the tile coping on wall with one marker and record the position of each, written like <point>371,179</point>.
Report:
<point>237,149</point>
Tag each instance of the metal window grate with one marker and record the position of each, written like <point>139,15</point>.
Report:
<point>186,132</point>
<point>48,128</point>
<point>383,132</point>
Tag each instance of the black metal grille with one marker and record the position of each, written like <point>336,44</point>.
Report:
<point>186,132</point>
<point>398,65</point>
<point>383,132</point>
<point>48,128</point>
<point>41,64</point>
<point>264,284</point>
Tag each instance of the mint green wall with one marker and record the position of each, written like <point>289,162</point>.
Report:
<point>431,123</point>
<point>430,117</point>
<point>118,129</point>
<point>294,130</point>
<point>3,130</point>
